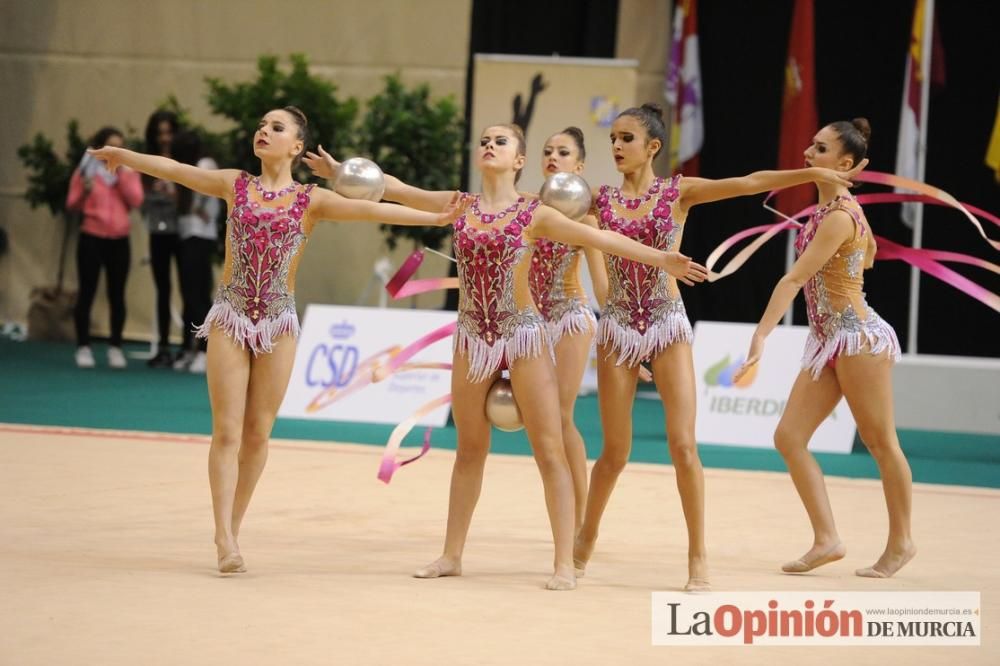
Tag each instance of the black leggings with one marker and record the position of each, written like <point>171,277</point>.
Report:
<point>196,285</point>
<point>92,253</point>
<point>161,248</point>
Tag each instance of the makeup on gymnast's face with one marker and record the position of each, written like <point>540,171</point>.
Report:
<point>825,150</point>
<point>498,149</point>
<point>629,141</point>
<point>561,155</point>
<point>277,134</point>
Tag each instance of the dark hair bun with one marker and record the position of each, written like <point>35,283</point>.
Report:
<point>655,109</point>
<point>864,128</point>
<point>576,134</point>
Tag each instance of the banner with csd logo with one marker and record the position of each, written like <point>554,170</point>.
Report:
<point>342,349</point>
<point>746,413</point>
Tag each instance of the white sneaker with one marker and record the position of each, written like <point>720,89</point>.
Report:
<point>116,359</point>
<point>198,363</point>
<point>84,357</point>
<point>183,360</point>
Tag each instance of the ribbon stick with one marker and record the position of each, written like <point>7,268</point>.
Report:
<point>400,285</point>
<point>414,287</point>
<point>441,254</point>
<point>405,272</point>
<point>389,464</point>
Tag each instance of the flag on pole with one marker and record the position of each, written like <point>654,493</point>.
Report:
<point>683,90</point>
<point>910,148</point>
<point>993,151</point>
<point>799,119</point>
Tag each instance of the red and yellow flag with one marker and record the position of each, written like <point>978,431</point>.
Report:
<point>799,119</point>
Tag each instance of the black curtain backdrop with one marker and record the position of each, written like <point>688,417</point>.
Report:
<point>860,60</point>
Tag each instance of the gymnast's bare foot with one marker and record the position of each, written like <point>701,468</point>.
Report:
<point>818,555</point>
<point>582,550</point>
<point>230,560</point>
<point>698,575</point>
<point>892,560</point>
<point>442,566</point>
<point>562,579</point>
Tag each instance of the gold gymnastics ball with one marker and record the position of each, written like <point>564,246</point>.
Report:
<point>501,407</point>
<point>567,193</point>
<point>359,178</point>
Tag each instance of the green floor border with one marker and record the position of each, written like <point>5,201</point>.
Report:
<point>40,385</point>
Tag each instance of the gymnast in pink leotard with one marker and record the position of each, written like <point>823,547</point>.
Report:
<point>252,326</point>
<point>557,290</point>
<point>849,353</point>
<point>645,319</point>
<point>499,325</point>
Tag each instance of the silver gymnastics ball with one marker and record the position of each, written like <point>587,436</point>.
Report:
<point>567,193</point>
<point>501,407</point>
<point>359,178</point>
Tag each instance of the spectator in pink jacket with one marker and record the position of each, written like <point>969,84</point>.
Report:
<point>104,198</point>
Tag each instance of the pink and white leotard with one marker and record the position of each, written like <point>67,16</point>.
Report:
<point>497,321</point>
<point>840,320</point>
<point>644,312</point>
<point>255,301</point>
<point>555,287</point>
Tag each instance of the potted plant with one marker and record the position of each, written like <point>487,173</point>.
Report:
<point>417,140</point>
<point>50,314</point>
<point>331,121</point>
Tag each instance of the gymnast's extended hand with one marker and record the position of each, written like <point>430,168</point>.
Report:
<point>323,164</point>
<point>455,208</point>
<point>683,268</point>
<point>843,178</point>
<point>110,155</point>
<point>753,356</point>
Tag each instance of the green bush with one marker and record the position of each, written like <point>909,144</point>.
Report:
<point>331,121</point>
<point>48,173</point>
<point>408,134</point>
<point>48,182</point>
<point>419,142</point>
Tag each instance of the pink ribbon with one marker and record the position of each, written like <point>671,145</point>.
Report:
<point>405,272</point>
<point>374,369</point>
<point>401,286</point>
<point>925,194</point>
<point>927,260</point>
<point>389,464</point>
<point>944,199</point>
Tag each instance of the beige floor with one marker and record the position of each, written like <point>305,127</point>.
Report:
<point>106,558</point>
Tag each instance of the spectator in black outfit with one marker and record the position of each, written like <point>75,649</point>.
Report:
<point>198,217</point>
<point>160,212</point>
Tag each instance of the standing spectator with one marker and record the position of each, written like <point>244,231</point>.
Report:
<point>160,212</point>
<point>197,225</point>
<point>104,197</point>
